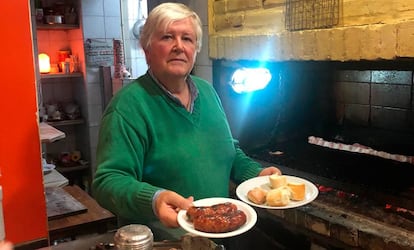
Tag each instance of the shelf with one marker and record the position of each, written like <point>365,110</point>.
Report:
<point>49,134</point>
<point>54,179</point>
<point>57,26</point>
<point>60,75</point>
<point>71,169</point>
<point>66,122</point>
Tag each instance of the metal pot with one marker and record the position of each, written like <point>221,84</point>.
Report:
<point>54,19</point>
<point>134,237</point>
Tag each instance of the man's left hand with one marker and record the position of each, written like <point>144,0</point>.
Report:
<point>270,170</point>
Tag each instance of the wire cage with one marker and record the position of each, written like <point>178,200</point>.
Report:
<point>311,14</point>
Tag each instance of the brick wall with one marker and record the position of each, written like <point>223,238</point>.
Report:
<point>331,227</point>
<point>366,30</point>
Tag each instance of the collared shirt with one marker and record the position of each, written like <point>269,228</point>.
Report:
<point>191,86</point>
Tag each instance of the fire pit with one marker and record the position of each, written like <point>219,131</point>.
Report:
<point>366,197</point>
<point>382,180</point>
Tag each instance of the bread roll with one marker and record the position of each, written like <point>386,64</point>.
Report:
<point>277,181</point>
<point>257,195</point>
<point>297,190</point>
<point>278,197</point>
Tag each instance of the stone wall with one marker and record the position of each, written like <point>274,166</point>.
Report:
<point>365,30</point>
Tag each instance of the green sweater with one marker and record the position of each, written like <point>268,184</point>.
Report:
<point>148,142</point>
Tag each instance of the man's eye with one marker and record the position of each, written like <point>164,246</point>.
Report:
<point>188,39</point>
<point>166,37</point>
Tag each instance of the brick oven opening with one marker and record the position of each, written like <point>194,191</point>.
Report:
<point>347,103</point>
<point>342,78</point>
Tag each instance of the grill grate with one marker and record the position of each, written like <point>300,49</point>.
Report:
<point>311,14</point>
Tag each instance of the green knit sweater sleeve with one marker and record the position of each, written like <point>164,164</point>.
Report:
<point>120,155</point>
<point>244,167</point>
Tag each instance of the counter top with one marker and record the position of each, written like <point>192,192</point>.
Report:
<point>95,220</point>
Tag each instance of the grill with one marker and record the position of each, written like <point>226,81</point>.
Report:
<point>309,99</point>
<point>361,182</point>
<point>311,14</point>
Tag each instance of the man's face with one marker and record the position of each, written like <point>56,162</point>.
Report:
<point>172,52</point>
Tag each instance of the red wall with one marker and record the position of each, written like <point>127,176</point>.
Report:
<point>24,205</point>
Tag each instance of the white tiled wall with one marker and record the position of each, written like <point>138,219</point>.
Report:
<point>101,20</point>
<point>133,10</point>
<point>203,66</point>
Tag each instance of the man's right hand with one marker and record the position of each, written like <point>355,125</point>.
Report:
<point>167,206</point>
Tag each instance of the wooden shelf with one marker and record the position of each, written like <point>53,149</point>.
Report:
<point>66,122</point>
<point>60,75</point>
<point>49,134</point>
<point>57,26</point>
<point>63,170</point>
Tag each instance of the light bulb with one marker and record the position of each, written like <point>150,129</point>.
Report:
<point>44,63</point>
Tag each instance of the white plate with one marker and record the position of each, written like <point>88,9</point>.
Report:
<point>47,168</point>
<point>311,191</point>
<point>251,218</point>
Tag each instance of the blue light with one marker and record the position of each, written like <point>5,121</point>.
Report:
<point>245,80</point>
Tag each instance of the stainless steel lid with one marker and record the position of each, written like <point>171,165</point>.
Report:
<point>134,236</point>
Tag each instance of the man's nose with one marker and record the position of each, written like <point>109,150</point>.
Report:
<point>178,46</point>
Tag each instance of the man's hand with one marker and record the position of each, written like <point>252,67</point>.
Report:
<point>270,170</point>
<point>167,206</point>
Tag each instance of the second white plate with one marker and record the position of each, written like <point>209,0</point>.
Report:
<point>263,182</point>
<point>251,218</point>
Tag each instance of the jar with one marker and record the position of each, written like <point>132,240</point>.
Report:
<point>63,54</point>
<point>66,67</point>
<point>134,237</point>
